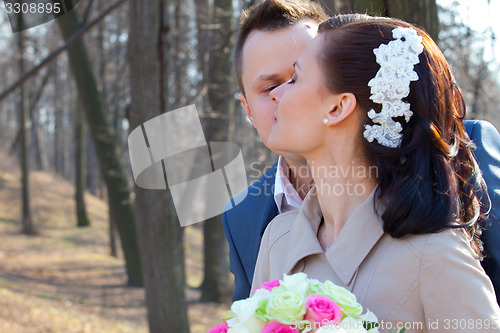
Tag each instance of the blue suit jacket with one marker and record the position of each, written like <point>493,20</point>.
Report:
<point>487,154</point>
<point>244,224</point>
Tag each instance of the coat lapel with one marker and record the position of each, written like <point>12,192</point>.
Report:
<point>361,232</point>
<point>303,232</point>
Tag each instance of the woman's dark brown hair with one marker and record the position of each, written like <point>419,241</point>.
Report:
<point>432,181</point>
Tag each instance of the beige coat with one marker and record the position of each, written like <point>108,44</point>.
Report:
<point>427,282</point>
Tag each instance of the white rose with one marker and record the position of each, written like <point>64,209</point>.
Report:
<point>252,324</point>
<point>246,321</point>
<point>297,283</point>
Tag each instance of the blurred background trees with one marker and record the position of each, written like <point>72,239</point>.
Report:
<point>137,60</point>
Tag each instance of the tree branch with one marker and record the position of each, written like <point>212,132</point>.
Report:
<point>58,51</point>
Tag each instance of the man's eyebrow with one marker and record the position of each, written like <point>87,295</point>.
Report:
<point>265,77</point>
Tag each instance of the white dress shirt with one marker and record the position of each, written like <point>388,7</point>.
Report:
<point>285,195</point>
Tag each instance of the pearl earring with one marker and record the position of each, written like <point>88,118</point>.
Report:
<point>325,121</point>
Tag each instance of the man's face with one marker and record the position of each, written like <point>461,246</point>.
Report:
<point>267,62</point>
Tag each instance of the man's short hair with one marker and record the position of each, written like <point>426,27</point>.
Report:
<point>271,15</point>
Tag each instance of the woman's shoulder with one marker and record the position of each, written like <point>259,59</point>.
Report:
<point>279,226</point>
<point>448,241</point>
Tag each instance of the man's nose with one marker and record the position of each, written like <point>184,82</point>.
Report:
<point>277,92</point>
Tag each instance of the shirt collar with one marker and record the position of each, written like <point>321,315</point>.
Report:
<point>285,195</point>
<point>361,232</point>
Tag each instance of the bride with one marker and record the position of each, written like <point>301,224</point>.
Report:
<point>394,216</point>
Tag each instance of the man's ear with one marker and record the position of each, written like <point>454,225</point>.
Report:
<point>243,101</point>
<point>345,104</point>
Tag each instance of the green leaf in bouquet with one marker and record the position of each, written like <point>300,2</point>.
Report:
<point>368,325</point>
<point>261,309</point>
<point>230,314</point>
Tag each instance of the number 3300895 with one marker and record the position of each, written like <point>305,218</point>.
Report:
<point>33,8</point>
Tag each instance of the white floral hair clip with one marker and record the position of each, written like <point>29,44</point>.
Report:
<point>392,84</point>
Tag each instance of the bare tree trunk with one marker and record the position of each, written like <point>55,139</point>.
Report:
<point>105,144</point>
<point>61,142</point>
<point>422,13</point>
<point>24,110</point>
<point>371,7</point>
<point>80,167</point>
<point>102,79</point>
<point>93,174</point>
<point>221,89</point>
<point>58,159</point>
<point>36,133</point>
<point>112,236</point>
<point>180,47</point>
<point>160,234</point>
<point>36,141</point>
<point>477,87</point>
<point>57,140</point>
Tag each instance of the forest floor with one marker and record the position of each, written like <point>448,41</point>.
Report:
<point>63,279</point>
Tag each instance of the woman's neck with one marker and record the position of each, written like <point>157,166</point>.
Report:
<point>342,183</point>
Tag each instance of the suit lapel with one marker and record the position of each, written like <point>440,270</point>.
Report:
<point>263,190</point>
<point>269,208</point>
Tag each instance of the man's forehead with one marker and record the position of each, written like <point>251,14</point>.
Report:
<point>269,55</point>
<point>304,30</point>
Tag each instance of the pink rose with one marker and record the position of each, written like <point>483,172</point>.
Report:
<point>277,327</point>
<point>220,328</point>
<point>322,310</point>
<point>270,285</point>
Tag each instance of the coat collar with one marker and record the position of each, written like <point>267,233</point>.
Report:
<point>361,232</point>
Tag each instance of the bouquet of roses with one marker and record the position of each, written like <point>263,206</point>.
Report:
<point>298,304</point>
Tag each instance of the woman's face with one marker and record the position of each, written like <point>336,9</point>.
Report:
<point>302,104</point>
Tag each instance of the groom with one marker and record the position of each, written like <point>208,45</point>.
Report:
<point>272,36</point>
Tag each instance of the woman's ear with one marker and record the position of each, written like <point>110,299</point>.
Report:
<point>345,104</point>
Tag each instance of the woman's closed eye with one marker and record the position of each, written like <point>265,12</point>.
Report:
<point>293,79</point>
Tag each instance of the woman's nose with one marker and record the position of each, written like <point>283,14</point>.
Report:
<point>277,92</point>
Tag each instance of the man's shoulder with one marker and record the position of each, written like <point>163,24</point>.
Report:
<point>254,194</point>
<point>268,177</point>
<point>477,129</point>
